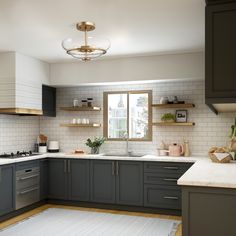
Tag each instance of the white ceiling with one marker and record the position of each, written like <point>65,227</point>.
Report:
<point>134,27</point>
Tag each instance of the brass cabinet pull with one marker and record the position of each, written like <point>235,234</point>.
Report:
<point>113,168</point>
<point>64,166</point>
<point>171,198</point>
<point>28,190</point>
<point>29,177</point>
<point>117,168</point>
<point>171,180</point>
<point>171,167</point>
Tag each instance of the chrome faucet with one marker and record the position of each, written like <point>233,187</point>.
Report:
<point>128,153</point>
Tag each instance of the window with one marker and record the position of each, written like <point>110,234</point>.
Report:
<point>128,114</point>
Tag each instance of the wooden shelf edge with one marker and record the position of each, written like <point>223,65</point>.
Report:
<point>185,105</point>
<point>173,123</point>
<point>80,108</point>
<point>94,125</point>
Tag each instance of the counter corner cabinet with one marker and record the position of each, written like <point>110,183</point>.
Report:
<point>220,52</point>
<point>7,187</point>
<point>49,101</point>
<point>208,211</point>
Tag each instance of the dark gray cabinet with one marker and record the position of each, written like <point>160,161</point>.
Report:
<point>119,182</point>
<point>57,178</point>
<point>7,189</point>
<point>102,182</point>
<point>78,180</point>
<point>220,52</point>
<point>68,179</point>
<point>129,183</point>
<point>208,211</point>
<point>160,184</point>
<point>49,101</point>
<point>43,179</point>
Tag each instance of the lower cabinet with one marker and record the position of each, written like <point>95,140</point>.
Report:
<point>57,179</point>
<point>102,182</point>
<point>78,180</point>
<point>119,182</point>
<point>68,179</point>
<point>44,179</point>
<point>7,189</point>
<point>129,183</point>
<point>160,184</point>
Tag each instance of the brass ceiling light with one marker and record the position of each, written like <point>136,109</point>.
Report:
<point>89,48</point>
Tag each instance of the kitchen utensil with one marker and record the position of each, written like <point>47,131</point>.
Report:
<point>53,146</point>
<point>75,102</point>
<point>164,100</point>
<point>176,150</point>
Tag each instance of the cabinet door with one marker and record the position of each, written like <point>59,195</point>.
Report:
<point>49,101</point>
<point>221,51</point>
<point>57,170</point>
<point>43,179</point>
<point>102,181</point>
<point>129,183</point>
<point>7,189</point>
<point>78,177</point>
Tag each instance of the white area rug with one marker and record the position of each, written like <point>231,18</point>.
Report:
<point>64,222</point>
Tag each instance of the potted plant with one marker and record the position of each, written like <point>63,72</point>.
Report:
<point>168,117</point>
<point>95,144</point>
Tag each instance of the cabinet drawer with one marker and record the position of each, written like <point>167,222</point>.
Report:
<point>162,197</point>
<point>27,165</point>
<point>167,168</point>
<point>156,178</point>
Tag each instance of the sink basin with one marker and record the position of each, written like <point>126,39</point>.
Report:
<point>121,155</point>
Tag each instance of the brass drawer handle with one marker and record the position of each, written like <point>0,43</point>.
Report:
<point>171,167</point>
<point>171,180</point>
<point>171,198</point>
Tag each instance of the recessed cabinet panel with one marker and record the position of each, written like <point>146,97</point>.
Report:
<point>57,179</point>
<point>78,172</point>
<point>102,181</point>
<point>221,51</point>
<point>129,183</point>
<point>49,101</point>
<point>7,189</point>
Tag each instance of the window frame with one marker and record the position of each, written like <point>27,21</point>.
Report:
<point>105,114</point>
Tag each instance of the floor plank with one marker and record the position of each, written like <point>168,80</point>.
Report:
<point>46,206</point>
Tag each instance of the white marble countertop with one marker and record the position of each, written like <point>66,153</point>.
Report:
<point>205,173</point>
<point>4,161</point>
<point>202,173</point>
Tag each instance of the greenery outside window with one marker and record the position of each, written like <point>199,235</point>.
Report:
<point>128,114</point>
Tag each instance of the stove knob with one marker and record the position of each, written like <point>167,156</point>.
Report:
<point>12,154</point>
<point>30,152</point>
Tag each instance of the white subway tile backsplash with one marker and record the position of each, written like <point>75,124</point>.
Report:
<point>210,129</point>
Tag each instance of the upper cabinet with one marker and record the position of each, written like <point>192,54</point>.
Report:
<point>49,101</point>
<point>220,55</point>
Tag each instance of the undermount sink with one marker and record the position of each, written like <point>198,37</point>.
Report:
<point>122,155</point>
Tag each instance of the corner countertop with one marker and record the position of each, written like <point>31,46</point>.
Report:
<point>202,173</point>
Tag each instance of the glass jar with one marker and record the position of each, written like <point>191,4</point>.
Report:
<point>84,103</point>
<point>90,102</point>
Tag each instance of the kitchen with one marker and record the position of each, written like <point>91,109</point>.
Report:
<point>142,172</point>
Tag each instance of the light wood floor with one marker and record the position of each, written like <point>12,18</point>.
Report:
<point>44,207</point>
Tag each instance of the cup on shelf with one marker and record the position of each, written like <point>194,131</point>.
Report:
<point>78,121</point>
<point>75,102</point>
<point>87,121</point>
<point>84,121</point>
<point>73,121</point>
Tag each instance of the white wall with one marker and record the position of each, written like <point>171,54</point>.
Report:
<point>162,67</point>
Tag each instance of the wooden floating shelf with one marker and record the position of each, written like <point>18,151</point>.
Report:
<point>184,105</point>
<point>82,125</point>
<point>173,124</point>
<point>81,108</point>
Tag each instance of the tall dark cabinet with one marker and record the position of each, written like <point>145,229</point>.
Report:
<point>220,52</point>
<point>49,101</point>
<point>7,186</point>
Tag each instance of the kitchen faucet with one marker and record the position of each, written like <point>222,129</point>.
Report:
<point>128,153</point>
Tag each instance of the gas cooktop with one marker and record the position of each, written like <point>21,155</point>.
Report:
<point>18,154</point>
